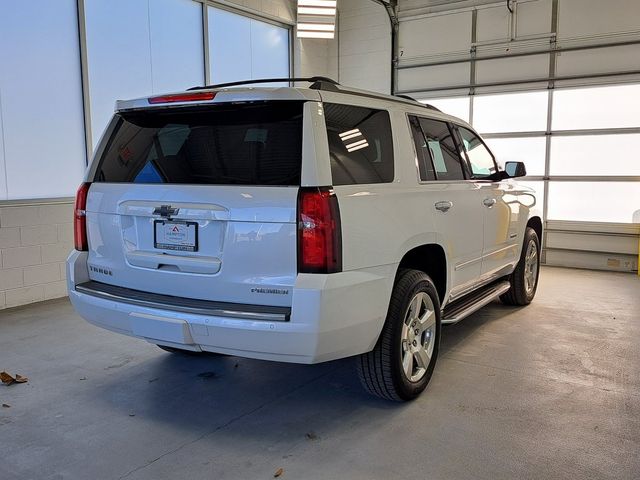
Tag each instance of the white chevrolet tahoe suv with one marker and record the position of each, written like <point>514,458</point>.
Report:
<point>299,225</point>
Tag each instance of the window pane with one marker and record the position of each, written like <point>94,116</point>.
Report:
<point>42,116</point>
<point>596,155</point>
<point>457,106</point>
<point>119,56</point>
<point>594,201</point>
<point>512,112</point>
<point>481,160</point>
<point>254,144</point>
<point>425,167</point>
<point>360,144</point>
<point>229,46</point>
<point>444,154</point>
<point>243,48</point>
<point>269,50</point>
<point>600,107</point>
<point>530,150</point>
<point>176,44</point>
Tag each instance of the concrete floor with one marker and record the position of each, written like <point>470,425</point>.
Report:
<point>547,391</point>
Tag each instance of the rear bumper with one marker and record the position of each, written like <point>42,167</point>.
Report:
<point>332,316</point>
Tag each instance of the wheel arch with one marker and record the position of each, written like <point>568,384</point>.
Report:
<point>536,224</point>
<point>431,259</point>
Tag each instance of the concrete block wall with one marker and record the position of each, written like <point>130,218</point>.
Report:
<point>35,240</point>
<point>316,56</point>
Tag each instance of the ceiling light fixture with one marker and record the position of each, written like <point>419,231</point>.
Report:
<point>316,19</point>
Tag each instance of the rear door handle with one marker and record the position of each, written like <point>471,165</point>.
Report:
<point>489,202</point>
<point>443,206</point>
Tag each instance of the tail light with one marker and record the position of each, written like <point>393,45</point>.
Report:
<point>319,232</point>
<point>80,218</point>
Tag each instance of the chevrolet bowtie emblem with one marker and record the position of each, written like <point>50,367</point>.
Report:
<point>166,211</point>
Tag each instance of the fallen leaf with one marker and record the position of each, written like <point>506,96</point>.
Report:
<point>6,378</point>
<point>278,473</point>
<point>153,380</point>
<point>21,379</point>
<point>311,436</point>
<point>6,405</point>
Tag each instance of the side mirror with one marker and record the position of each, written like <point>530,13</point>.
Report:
<point>515,169</point>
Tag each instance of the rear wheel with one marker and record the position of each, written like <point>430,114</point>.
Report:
<point>524,279</point>
<point>402,362</point>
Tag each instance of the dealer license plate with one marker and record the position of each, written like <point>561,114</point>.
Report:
<point>172,235</point>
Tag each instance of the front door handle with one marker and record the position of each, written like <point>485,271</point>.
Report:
<point>443,206</point>
<point>489,202</point>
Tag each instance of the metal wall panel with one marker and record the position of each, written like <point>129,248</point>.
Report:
<point>435,35</point>
<point>417,79</point>
<point>592,18</point>
<point>493,24</point>
<point>601,60</point>
<point>533,18</point>
<point>519,68</point>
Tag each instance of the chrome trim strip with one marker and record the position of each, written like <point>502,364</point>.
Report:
<point>508,247</point>
<point>498,290</point>
<point>468,262</point>
<point>218,312</point>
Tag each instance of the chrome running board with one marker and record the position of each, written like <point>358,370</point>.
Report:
<point>474,301</point>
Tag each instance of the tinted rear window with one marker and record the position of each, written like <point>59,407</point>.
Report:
<point>360,144</point>
<point>246,144</point>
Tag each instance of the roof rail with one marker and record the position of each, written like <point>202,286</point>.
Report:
<point>313,80</point>
<point>406,97</point>
<point>431,107</point>
<point>426,105</point>
<point>320,83</point>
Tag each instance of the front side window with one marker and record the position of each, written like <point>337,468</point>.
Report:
<point>360,144</point>
<point>480,158</point>
<point>442,149</point>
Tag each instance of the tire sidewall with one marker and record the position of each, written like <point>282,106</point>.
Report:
<point>530,235</point>
<point>417,282</point>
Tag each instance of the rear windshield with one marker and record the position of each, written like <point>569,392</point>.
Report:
<point>230,144</point>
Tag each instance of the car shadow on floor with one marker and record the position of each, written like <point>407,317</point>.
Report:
<point>207,393</point>
<point>456,334</point>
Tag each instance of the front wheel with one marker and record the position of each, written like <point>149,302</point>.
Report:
<point>402,362</point>
<point>524,279</point>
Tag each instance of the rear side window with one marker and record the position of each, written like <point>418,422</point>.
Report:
<point>360,144</point>
<point>442,149</point>
<point>247,144</point>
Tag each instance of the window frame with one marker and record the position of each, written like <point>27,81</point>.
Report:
<point>411,116</point>
<point>463,150</point>
<point>466,173</point>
